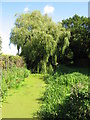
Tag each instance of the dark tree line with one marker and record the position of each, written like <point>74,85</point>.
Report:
<point>79,46</point>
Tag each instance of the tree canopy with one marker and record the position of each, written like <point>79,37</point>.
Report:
<point>41,40</point>
<point>79,41</point>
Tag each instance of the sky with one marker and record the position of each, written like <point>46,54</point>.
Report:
<point>57,10</point>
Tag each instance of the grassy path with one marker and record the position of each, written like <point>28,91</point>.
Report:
<point>24,102</point>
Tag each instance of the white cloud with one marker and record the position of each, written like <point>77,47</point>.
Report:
<point>48,9</point>
<point>26,9</point>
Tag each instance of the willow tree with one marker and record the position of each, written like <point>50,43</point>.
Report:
<point>62,42</point>
<point>37,36</point>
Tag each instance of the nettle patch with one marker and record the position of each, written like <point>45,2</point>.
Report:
<point>66,97</point>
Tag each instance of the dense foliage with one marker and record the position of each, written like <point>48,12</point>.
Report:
<point>79,48</point>
<point>41,40</point>
<point>13,72</point>
<point>12,78</point>
<point>8,61</point>
<point>66,96</point>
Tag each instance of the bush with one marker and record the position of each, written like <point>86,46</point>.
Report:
<point>76,106</point>
<point>66,97</point>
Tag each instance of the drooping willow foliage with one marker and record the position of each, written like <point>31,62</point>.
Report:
<point>42,41</point>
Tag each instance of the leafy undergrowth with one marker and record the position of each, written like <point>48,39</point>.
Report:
<point>12,78</point>
<point>66,96</point>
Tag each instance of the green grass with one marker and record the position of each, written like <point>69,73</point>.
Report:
<point>24,102</point>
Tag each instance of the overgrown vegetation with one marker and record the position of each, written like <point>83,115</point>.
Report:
<point>8,61</point>
<point>13,73</point>
<point>11,78</point>
<point>66,96</point>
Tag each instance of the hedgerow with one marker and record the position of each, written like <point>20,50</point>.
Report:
<point>8,61</point>
<point>66,96</point>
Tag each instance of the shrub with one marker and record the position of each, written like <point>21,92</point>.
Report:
<point>76,106</point>
<point>66,97</point>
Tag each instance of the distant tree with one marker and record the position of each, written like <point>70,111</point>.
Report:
<point>79,41</point>
<point>0,44</point>
<point>38,36</point>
